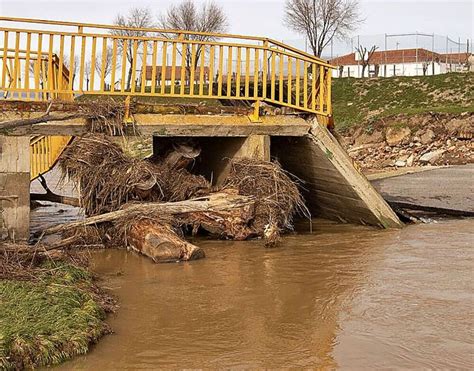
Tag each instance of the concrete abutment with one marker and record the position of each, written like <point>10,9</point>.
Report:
<point>333,187</point>
<point>14,188</point>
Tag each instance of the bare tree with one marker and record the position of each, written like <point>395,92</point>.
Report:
<point>365,56</point>
<point>322,20</point>
<point>425,66</point>
<point>87,73</point>
<point>209,18</point>
<point>35,66</point>
<point>72,69</point>
<point>106,66</point>
<point>138,18</point>
<point>341,70</point>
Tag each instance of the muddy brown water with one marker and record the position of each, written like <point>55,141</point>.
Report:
<point>343,296</point>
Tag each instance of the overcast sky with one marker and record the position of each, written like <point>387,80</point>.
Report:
<point>264,17</point>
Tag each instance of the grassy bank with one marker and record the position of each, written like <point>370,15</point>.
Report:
<point>48,316</point>
<point>356,101</point>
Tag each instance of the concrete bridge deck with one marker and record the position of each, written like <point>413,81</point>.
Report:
<point>160,120</point>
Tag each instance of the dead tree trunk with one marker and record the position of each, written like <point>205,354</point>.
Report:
<point>180,156</point>
<point>51,196</point>
<point>213,204</point>
<point>161,244</point>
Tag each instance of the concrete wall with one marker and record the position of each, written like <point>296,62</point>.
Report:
<point>334,189</point>
<point>389,70</point>
<point>14,188</point>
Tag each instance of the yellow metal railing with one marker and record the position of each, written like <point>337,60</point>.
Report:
<point>44,152</point>
<point>112,60</point>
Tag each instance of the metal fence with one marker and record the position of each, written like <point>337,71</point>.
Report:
<point>52,60</point>
<point>446,49</point>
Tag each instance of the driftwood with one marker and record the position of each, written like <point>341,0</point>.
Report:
<point>100,115</point>
<point>180,156</point>
<point>161,243</point>
<point>431,209</point>
<point>152,228</point>
<point>225,223</point>
<point>215,202</point>
<point>53,197</point>
<point>12,124</point>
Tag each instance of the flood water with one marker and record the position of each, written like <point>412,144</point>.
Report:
<point>343,296</point>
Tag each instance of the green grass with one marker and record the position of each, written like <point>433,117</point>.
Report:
<point>356,101</point>
<point>48,320</point>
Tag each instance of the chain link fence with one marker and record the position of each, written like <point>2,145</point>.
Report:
<point>452,53</point>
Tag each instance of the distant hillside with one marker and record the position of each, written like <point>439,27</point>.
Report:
<point>359,101</point>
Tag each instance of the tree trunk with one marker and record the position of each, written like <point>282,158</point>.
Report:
<point>161,244</point>
<point>129,78</point>
<point>53,197</point>
<point>213,203</point>
<point>180,156</point>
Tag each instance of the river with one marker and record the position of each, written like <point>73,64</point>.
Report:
<point>342,296</point>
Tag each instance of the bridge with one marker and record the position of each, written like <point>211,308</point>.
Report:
<point>243,95</point>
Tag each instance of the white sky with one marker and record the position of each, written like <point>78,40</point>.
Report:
<point>264,17</point>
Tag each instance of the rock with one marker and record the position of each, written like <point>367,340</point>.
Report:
<point>416,138</point>
<point>395,136</point>
<point>452,126</point>
<point>362,147</point>
<point>346,141</point>
<point>466,131</point>
<point>400,163</point>
<point>357,132</point>
<point>365,138</point>
<point>410,160</point>
<point>427,137</point>
<point>431,157</point>
<point>386,163</point>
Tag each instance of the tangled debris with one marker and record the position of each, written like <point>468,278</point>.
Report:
<point>276,192</point>
<point>107,178</point>
<point>101,116</point>
<point>150,205</point>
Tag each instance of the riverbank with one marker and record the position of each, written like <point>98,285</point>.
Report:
<point>406,121</point>
<point>51,309</point>
<point>361,102</point>
<point>430,139</point>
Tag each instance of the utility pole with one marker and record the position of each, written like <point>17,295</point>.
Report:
<point>358,66</point>
<point>432,54</point>
<point>416,52</point>
<point>447,38</point>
